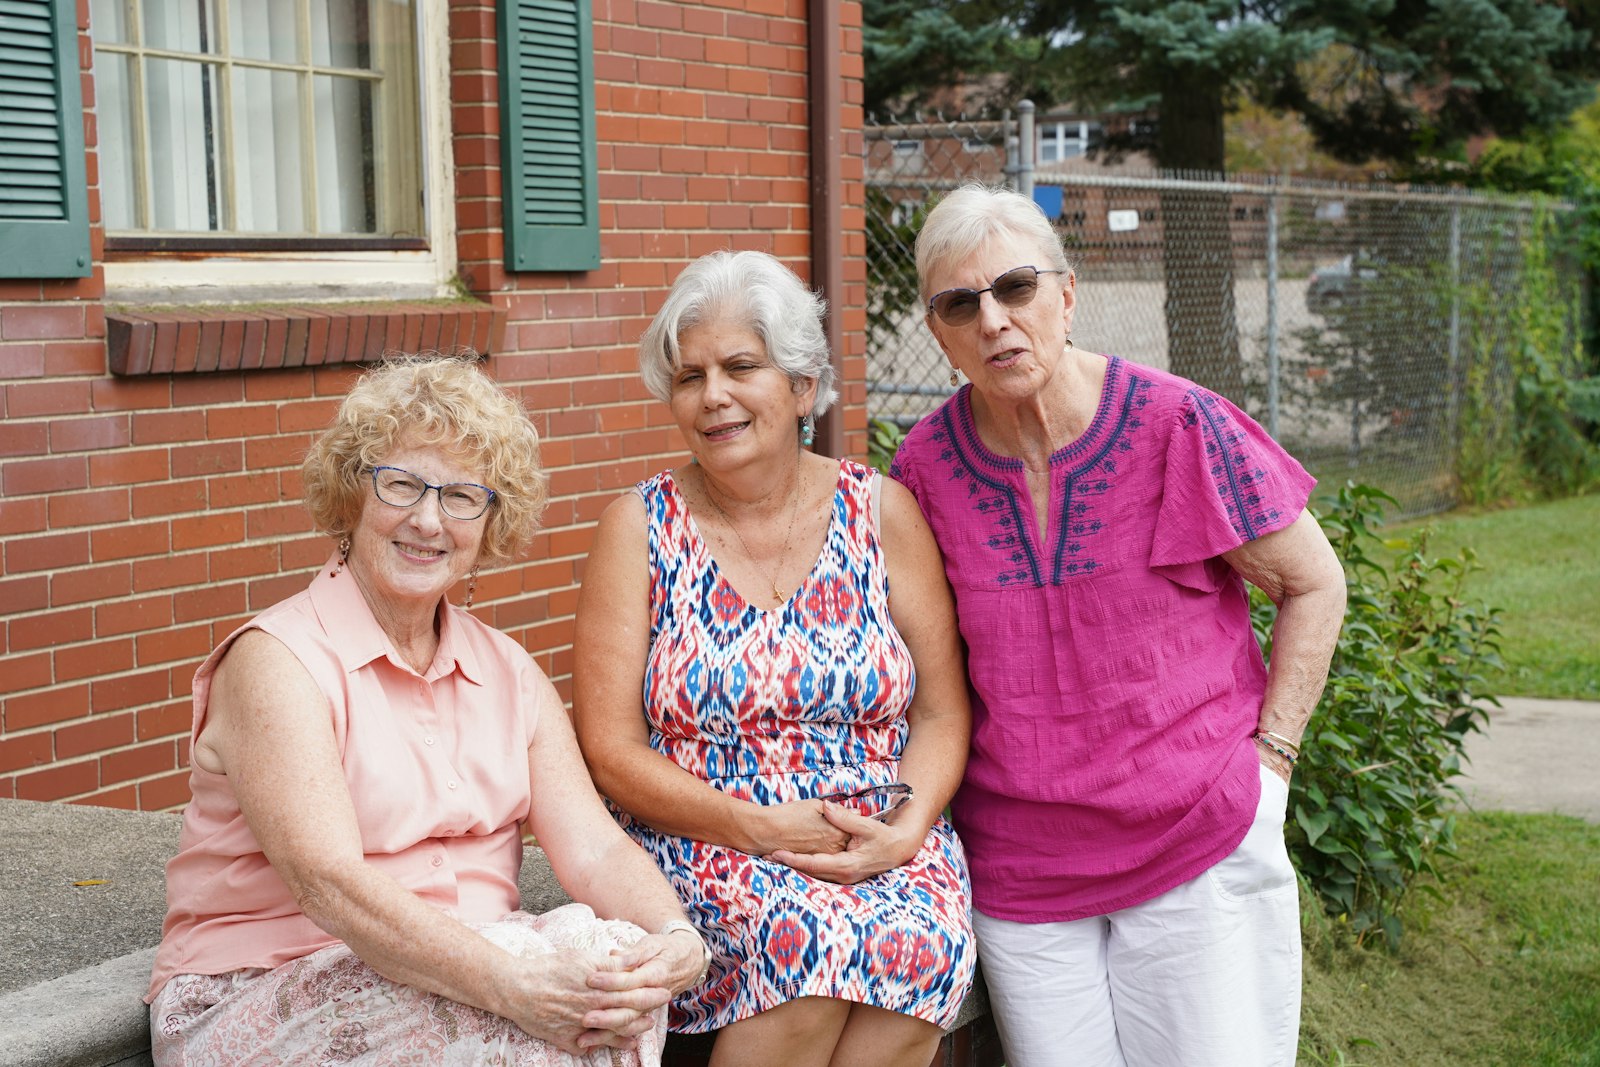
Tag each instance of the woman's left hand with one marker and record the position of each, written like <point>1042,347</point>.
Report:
<point>667,961</point>
<point>651,968</point>
<point>1275,763</point>
<point>874,847</point>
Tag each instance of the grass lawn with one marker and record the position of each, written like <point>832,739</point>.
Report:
<point>1542,569</point>
<point>1500,964</point>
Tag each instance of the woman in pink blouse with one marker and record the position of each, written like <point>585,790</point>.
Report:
<point>1124,798</point>
<point>364,756</point>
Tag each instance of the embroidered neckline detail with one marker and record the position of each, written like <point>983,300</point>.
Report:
<point>1094,456</point>
<point>1079,445</point>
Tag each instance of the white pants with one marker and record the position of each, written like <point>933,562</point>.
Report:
<point>1205,975</point>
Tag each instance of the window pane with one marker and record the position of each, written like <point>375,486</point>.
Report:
<point>263,29</point>
<point>346,200</point>
<point>118,189</point>
<point>266,121</point>
<point>108,21</point>
<point>180,25</point>
<point>298,150</point>
<point>339,34</point>
<point>183,115</point>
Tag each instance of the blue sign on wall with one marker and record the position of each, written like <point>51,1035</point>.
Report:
<point>1048,197</point>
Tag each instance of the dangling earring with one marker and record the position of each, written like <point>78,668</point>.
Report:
<point>954,379</point>
<point>472,585</point>
<point>808,431</point>
<point>344,554</point>
<point>1069,343</point>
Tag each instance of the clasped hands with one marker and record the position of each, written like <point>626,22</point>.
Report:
<point>588,1000</point>
<point>830,842</point>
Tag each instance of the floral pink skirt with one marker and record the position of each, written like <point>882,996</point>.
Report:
<point>330,1008</point>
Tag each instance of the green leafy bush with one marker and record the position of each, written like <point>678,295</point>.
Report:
<point>1370,804</point>
<point>1529,420</point>
<point>883,441</point>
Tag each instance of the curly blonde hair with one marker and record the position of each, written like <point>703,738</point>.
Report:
<point>430,401</point>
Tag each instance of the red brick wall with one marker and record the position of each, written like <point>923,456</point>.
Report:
<point>142,519</point>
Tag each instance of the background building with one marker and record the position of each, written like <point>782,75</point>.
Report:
<point>211,214</point>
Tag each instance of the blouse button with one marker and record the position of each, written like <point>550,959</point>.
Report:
<point>451,785</point>
<point>427,740</point>
<point>437,862</point>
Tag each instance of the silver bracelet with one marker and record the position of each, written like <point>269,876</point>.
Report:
<point>1293,745</point>
<point>673,927</point>
<point>1260,737</point>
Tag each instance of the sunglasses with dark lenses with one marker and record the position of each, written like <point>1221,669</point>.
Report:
<point>875,801</point>
<point>1013,289</point>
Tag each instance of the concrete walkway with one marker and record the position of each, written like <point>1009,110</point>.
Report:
<point>1537,756</point>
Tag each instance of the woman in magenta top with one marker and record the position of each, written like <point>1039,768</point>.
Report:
<point>1123,801</point>
<point>365,755</point>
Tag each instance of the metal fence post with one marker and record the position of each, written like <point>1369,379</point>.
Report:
<point>1453,396</point>
<point>1025,152</point>
<point>1272,315</point>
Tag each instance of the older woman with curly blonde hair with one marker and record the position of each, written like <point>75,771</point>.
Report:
<point>364,756</point>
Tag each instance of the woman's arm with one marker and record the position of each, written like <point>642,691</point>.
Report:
<point>612,641</point>
<point>939,718</point>
<point>1297,569</point>
<point>269,730</point>
<point>598,864</point>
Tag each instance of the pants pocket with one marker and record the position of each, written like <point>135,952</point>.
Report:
<point>1260,865</point>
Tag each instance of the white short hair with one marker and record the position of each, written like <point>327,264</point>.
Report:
<point>966,220</point>
<point>756,291</point>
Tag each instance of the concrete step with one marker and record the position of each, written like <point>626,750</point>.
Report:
<point>82,897</point>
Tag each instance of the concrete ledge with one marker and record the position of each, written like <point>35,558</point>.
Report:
<point>89,1018</point>
<point>78,956</point>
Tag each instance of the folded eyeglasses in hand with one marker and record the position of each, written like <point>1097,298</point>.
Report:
<point>875,801</point>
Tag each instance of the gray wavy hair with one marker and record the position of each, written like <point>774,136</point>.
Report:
<point>973,215</point>
<point>757,291</point>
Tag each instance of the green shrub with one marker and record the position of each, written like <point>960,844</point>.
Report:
<point>1529,419</point>
<point>883,441</point>
<point>1371,799</point>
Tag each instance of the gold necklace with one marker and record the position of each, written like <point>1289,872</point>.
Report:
<point>794,511</point>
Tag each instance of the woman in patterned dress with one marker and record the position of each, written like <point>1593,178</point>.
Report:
<point>741,657</point>
<point>365,755</point>
<point>1123,804</point>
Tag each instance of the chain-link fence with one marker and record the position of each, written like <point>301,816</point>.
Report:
<point>1368,328</point>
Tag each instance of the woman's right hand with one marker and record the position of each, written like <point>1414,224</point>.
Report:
<point>797,826</point>
<point>556,1003</point>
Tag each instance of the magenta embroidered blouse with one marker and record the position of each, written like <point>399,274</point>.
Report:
<point>1115,679</point>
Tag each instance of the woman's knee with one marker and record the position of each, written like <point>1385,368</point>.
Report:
<point>800,1032</point>
<point>877,1037</point>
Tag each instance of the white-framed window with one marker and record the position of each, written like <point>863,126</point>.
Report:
<point>1058,141</point>
<point>255,149</point>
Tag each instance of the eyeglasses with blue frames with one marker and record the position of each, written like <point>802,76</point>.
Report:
<point>875,801</point>
<point>401,489</point>
<point>1013,289</point>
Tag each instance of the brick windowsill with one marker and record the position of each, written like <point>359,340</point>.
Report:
<point>187,340</point>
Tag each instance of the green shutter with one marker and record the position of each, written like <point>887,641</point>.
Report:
<point>44,198</point>
<point>547,152</point>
